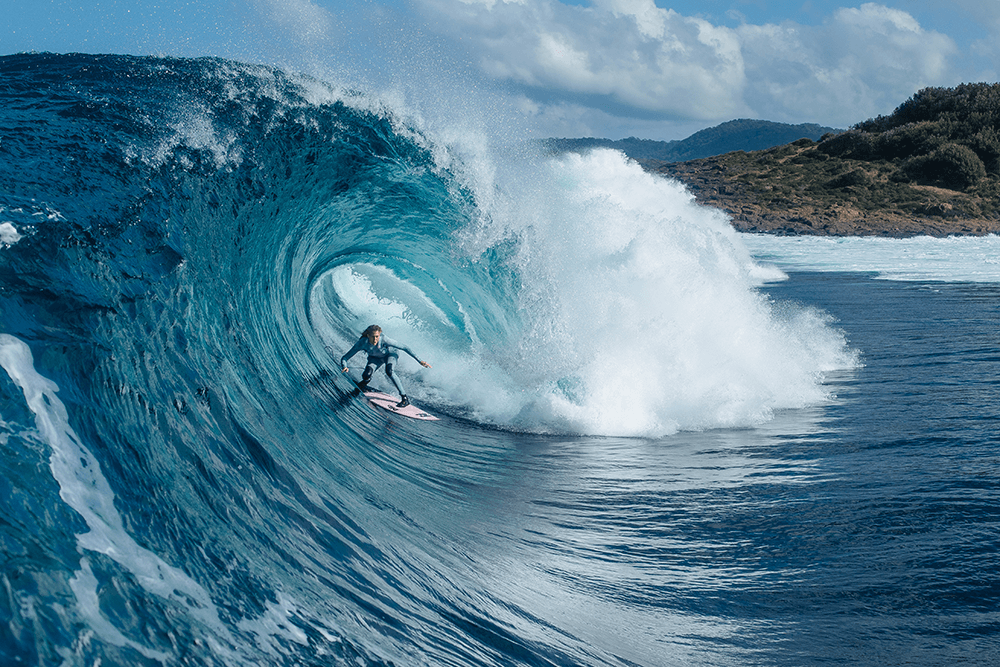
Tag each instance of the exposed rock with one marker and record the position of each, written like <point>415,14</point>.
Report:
<point>769,192</point>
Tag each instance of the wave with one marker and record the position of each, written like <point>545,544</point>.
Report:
<point>572,293</point>
<point>181,242</point>
<point>923,258</point>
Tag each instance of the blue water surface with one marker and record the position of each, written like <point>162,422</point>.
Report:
<point>187,478</point>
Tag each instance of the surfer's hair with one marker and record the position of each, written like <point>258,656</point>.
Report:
<point>370,332</point>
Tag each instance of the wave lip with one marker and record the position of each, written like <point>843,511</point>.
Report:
<point>642,311</point>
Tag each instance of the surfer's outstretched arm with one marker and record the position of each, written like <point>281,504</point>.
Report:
<point>409,352</point>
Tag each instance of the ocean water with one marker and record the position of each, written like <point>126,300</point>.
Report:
<point>662,442</point>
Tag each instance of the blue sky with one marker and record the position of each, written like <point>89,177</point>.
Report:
<point>612,68</point>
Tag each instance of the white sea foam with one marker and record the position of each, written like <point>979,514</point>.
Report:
<point>641,308</point>
<point>83,487</point>
<point>647,317</point>
<point>9,234</point>
<point>275,625</point>
<point>922,258</point>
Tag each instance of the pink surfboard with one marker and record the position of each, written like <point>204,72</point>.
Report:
<point>389,403</point>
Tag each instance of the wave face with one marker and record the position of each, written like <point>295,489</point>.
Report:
<point>182,242</point>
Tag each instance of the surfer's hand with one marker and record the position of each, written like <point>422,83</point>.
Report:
<point>425,364</point>
<point>344,369</point>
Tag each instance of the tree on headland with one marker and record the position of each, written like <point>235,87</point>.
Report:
<point>940,136</point>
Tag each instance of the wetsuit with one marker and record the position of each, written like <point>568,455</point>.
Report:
<point>383,353</point>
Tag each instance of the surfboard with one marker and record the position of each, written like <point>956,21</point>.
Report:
<point>389,403</point>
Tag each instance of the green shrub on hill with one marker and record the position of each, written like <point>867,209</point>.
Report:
<point>969,105</point>
<point>851,178</point>
<point>986,144</point>
<point>952,166</point>
<point>947,136</point>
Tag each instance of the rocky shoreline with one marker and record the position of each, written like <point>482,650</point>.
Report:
<point>744,186</point>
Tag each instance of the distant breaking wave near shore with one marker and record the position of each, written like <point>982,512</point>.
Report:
<point>974,259</point>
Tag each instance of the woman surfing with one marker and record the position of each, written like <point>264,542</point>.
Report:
<point>380,351</point>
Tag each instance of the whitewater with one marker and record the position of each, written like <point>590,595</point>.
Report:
<point>662,442</point>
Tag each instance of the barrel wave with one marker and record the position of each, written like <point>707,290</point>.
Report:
<point>187,247</point>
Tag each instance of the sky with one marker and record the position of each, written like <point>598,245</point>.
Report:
<point>657,69</point>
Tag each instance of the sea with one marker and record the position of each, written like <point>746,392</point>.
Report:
<point>661,442</point>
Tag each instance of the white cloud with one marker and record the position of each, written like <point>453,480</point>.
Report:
<point>628,52</point>
<point>878,19</point>
<point>565,119</point>
<point>859,63</point>
<point>631,58</point>
<point>649,19</point>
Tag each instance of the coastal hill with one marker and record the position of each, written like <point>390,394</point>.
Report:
<point>736,135</point>
<point>931,167</point>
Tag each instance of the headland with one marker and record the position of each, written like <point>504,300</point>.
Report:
<point>932,167</point>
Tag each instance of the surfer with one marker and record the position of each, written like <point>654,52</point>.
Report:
<point>380,351</point>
